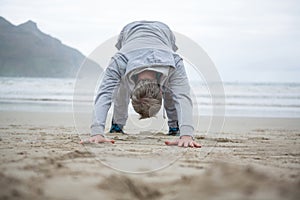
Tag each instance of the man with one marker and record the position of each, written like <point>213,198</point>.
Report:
<point>145,69</point>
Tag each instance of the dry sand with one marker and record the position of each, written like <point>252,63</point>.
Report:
<point>253,158</point>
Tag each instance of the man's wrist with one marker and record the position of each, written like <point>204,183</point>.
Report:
<point>185,136</point>
<point>97,130</point>
<point>92,135</point>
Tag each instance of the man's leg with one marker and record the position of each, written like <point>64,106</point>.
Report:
<point>120,114</point>
<point>171,112</point>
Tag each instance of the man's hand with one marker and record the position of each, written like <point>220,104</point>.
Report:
<point>96,139</point>
<point>184,141</point>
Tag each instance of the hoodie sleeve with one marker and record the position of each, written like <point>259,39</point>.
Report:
<point>179,85</point>
<point>110,81</point>
<point>118,45</point>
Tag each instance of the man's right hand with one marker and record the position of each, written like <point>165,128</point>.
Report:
<point>96,139</point>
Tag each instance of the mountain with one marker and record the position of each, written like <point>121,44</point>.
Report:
<point>25,51</point>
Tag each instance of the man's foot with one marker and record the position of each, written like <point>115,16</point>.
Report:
<point>174,131</point>
<point>115,128</point>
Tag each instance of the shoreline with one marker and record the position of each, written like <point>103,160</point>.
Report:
<point>231,124</point>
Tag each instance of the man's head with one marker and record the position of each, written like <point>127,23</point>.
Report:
<point>146,98</point>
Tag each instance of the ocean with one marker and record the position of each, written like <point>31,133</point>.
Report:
<point>241,99</point>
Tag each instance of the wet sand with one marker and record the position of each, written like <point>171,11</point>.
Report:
<point>252,158</point>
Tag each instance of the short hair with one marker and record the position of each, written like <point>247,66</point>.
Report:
<point>146,98</point>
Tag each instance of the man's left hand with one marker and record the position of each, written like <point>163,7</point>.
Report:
<point>184,141</point>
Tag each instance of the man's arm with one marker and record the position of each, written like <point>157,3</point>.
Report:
<point>110,81</point>
<point>179,85</point>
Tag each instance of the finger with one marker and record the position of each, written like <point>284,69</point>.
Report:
<point>99,140</point>
<point>180,143</point>
<point>84,141</point>
<point>104,140</point>
<point>91,140</point>
<point>191,144</point>
<point>175,142</point>
<point>108,140</point>
<point>186,143</point>
<point>197,145</point>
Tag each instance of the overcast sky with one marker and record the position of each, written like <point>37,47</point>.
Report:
<point>248,40</point>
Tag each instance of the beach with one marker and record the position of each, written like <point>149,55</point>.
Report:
<point>251,158</point>
<point>231,70</point>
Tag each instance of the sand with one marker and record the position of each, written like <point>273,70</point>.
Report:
<point>252,158</point>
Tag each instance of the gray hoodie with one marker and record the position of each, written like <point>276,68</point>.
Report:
<point>151,45</point>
